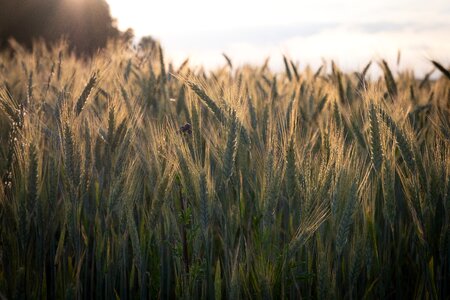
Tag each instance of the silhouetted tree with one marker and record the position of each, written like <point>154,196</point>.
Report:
<point>148,43</point>
<point>86,24</point>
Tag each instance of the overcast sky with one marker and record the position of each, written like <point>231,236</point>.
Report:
<point>348,31</point>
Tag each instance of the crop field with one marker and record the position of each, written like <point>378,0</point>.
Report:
<point>125,177</point>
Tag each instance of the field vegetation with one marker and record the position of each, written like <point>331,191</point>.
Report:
<point>125,177</point>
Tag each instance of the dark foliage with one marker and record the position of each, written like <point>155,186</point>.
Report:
<point>86,24</point>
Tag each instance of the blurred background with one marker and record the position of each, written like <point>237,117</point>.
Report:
<point>348,31</point>
<point>87,24</point>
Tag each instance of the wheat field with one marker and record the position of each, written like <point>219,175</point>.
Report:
<point>124,177</point>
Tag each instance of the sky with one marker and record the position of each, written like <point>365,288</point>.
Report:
<point>351,32</point>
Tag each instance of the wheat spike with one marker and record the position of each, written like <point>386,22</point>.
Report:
<point>252,112</point>
<point>346,221</point>
<point>287,67</point>
<point>231,148</point>
<point>390,206</point>
<point>85,94</point>
<point>227,58</point>
<point>291,172</point>
<point>341,91</point>
<point>69,155</point>
<point>441,68</point>
<point>389,78</point>
<point>402,142</point>
<point>375,141</point>
<point>210,103</point>
<point>296,74</point>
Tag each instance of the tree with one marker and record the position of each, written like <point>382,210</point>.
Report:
<point>86,24</point>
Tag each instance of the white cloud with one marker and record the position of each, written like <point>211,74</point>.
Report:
<point>350,48</point>
<point>348,31</point>
<point>174,16</point>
